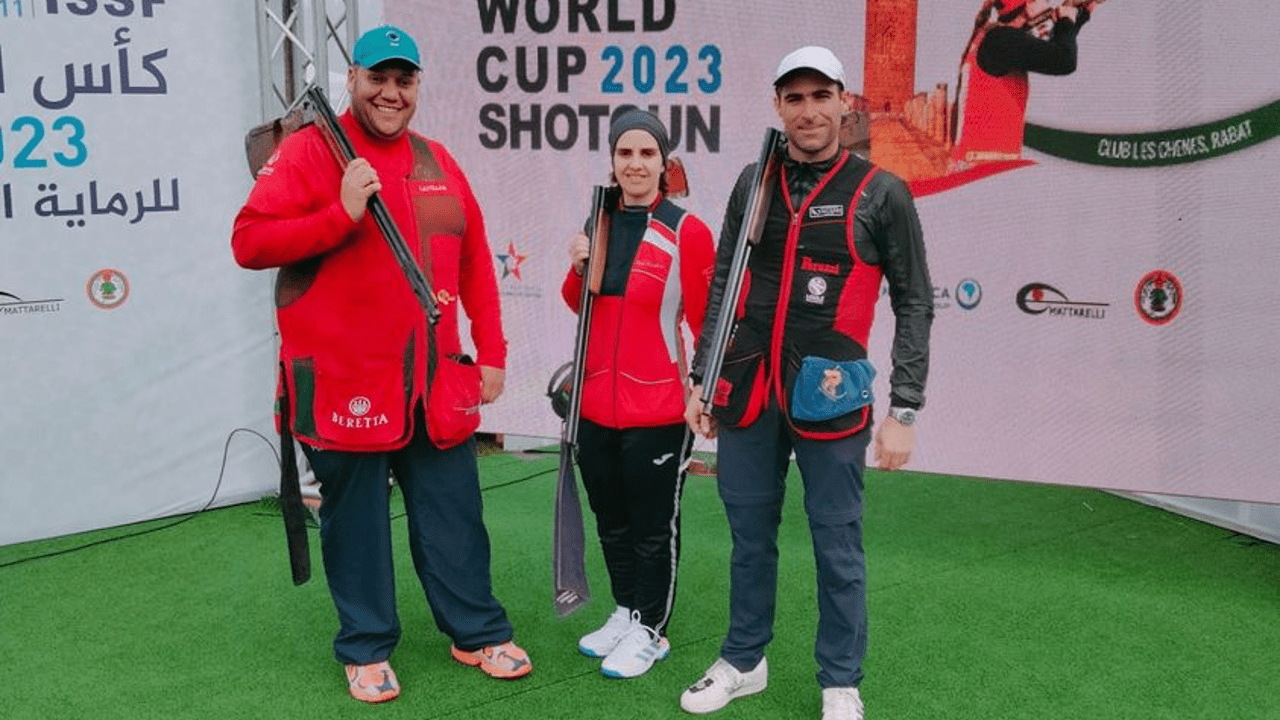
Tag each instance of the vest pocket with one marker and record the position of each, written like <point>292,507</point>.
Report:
<point>819,415</point>
<point>827,389</point>
<point>740,391</point>
<point>358,407</point>
<point>453,401</point>
<point>651,398</point>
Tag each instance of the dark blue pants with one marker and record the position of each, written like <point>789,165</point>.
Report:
<point>752,465</point>
<point>447,540</point>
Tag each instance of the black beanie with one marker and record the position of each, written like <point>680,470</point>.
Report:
<point>637,119</point>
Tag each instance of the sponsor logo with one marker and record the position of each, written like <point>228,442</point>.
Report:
<point>817,294</point>
<point>1042,299</point>
<point>664,458</point>
<point>11,304</point>
<point>511,261</point>
<point>1158,297</point>
<point>358,423</point>
<point>444,297</point>
<point>968,294</point>
<point>817,212</point>
<point>568,597</point>
<point>941,297</point>
<point>425,188</point>
<point>653,267</point>
<point>107,289</point>
<point>808,264</point>
<point>360,406</point>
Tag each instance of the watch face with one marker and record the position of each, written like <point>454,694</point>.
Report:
<point>906,416</point>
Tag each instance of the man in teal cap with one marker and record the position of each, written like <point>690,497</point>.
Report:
<point>368,394</point>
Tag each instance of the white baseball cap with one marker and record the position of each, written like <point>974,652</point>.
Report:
<point>811,57</point>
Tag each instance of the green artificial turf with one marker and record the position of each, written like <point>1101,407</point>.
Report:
<point>989,601</point>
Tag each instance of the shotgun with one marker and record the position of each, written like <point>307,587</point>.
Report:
<point>260,143</point>
<point>762,179</point>
<point>333,132</point>
<point>569,544</point>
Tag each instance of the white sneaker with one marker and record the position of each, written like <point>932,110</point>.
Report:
<point>636,652</point>
<point>600,643</point>
<point>723,683</point>
<point>841,703</point>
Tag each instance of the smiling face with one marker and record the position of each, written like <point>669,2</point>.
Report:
<point>637,166</point>
<point>383,98</point>
<point>810,106</point>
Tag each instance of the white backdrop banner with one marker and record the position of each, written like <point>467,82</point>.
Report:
<point>132,346</point>
<point>1105,311</point>
<point>1105,308</point>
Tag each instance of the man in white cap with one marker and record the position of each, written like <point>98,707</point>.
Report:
<point>796,379</point>
<point>371,388</point>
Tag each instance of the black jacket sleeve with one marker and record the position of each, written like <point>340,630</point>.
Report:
<point>1005,49</point>
<point>899,241</point>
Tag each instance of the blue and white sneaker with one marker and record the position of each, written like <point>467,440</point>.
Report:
<point>601,642</point>
<point>636,652</point>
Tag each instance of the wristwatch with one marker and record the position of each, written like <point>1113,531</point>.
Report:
<point>906,416</point>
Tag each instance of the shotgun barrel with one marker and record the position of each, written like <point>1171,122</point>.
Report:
<point>569,543</point>
<point>749,232</point>
<point>328,121</point>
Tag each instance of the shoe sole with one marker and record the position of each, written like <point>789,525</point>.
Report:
<point>470,660</point>
<point>615,674</point>
<point>374,700</point>
<point>740,694</point>
<point>591,653</point>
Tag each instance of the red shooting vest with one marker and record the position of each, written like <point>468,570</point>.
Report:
<point>356,351</point>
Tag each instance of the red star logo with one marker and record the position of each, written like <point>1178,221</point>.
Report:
<point>511,261</point>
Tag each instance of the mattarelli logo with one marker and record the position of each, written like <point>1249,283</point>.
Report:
<point>11,304</point>
<point>108,289</point>
<point>1158,297</point>
<point>1041,299</point>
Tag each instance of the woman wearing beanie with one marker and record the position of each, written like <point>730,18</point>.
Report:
<point>631,437</point>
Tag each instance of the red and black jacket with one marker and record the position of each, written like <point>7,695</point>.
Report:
<point>636,366</point>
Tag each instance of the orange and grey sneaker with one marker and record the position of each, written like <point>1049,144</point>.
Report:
<point>505,662</point>
<point>373,683</point>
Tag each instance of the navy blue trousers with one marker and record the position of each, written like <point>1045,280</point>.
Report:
<point>447,541</point>
<point>751,468</point>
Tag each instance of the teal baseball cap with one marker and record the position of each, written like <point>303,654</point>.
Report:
<point>384,43</point>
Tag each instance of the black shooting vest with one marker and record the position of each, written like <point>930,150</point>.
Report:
<point>806,256</point>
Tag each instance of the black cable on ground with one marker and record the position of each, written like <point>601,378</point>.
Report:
<point>217,486</point>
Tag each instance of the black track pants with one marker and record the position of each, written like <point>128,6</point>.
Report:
<point>634,484</point>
